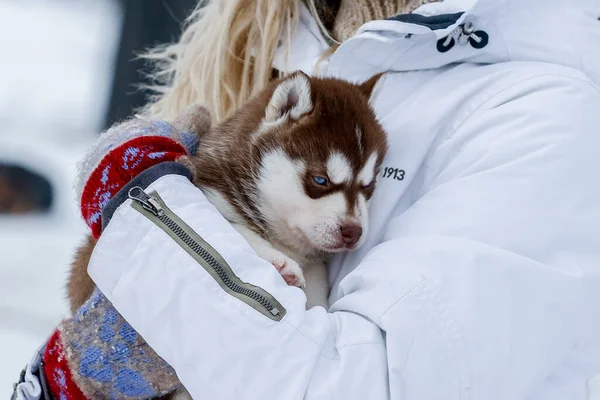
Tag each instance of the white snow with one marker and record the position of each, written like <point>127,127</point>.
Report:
<point>55,77</point>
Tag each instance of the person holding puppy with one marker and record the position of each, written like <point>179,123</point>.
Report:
<point>479,278</point>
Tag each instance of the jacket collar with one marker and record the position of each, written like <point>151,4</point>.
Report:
<point>549,31</point>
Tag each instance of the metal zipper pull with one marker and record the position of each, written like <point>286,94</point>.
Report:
<point>138,194</point>
<point>154,208</point>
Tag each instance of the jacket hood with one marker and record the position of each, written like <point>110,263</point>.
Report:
<point>551,31</point>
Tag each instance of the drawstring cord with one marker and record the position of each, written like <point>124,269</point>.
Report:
<point>462,34</point>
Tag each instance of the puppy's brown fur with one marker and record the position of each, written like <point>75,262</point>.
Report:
<point>79,285</point>
<point>229,154</point>
<point>228,163</point>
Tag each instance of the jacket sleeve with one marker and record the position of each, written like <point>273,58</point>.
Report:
<point>479,290</point>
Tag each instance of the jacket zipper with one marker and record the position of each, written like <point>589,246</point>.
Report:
<point>153,207</point>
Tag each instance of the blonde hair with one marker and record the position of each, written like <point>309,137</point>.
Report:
<point>223,57</point>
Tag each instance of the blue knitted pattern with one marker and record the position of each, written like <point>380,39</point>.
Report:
<point>109,359</point>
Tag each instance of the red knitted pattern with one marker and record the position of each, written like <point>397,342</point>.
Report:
<point>118,167</point>
<point>57,371</point>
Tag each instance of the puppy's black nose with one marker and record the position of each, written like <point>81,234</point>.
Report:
<point>351,234</point>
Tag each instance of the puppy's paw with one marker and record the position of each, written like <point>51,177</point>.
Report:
<point>289,269</point>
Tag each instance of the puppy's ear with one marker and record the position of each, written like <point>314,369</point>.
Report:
<point>291,99</point>
<point>368,86</point>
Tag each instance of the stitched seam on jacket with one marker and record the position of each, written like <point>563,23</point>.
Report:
<point>366,342</point>
<point>411,290</point>
<point>455,341</point>
<point>507,88</point>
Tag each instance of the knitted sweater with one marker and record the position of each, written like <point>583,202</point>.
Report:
<point>343,17</point>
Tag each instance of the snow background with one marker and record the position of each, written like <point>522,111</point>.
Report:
<point>55,77</point>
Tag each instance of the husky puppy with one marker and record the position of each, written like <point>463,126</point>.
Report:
<point>293,171</point>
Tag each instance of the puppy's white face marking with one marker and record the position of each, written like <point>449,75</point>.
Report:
<point>279,185</point>
<point>324,221</point>
<point>367,173</point>
<point>299,220</point>
<point>361,209</point>
<point>339,169</point>
<point>362,215</point>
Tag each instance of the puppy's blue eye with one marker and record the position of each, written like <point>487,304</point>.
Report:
<point>319,180</point>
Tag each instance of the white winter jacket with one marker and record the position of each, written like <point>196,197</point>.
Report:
<point>481,275</point>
